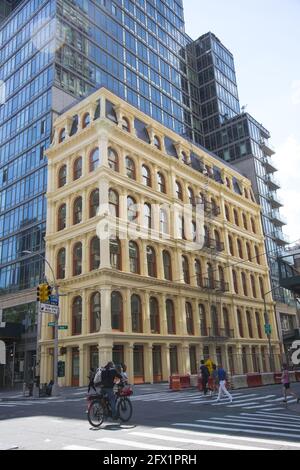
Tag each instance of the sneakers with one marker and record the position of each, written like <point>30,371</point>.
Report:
<point>298,401</point>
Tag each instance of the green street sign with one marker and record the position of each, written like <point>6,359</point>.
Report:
<point>268,329</point>
<point>51,323</point>
<point>63,327</point>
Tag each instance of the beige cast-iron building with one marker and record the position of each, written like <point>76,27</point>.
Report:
<point>158,248</point>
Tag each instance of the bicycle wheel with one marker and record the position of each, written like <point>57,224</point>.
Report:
<point>96,414</point>
<point>124,409</point>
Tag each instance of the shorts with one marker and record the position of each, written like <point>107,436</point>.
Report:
<point>287,386</point>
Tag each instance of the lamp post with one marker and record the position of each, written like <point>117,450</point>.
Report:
<point>55,388</point>
<point>268,332</point>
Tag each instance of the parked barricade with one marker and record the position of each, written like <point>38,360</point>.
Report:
<point>268,379</point>
<point>185,381</point>
<point>254,380</point>
<point>239,381</point>
<point>175,383</point>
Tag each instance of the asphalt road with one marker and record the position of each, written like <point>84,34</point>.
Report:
<point>162,420</point>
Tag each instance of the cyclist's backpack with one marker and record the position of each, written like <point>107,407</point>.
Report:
<point>98,377</point>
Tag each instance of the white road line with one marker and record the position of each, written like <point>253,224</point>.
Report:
<point>74,447</point>
<point>202,398</point>
<point>247,431</point>
<point>226,436</point>
<point>138,445</point>
<point>195,441</point>
<point>226,421</point>
<point>281,399</point>
<point>260,421</point>
<point>256,407</point>
<point>273,409</point>
<point>276,415</point>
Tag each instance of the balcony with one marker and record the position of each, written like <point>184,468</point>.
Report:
<point>280,238</point>
<point>220,334</point>
<point>277,219</point>
<point>267,148</point>
<point>272,182</point>
<point>289,276</point>
<point>269,165</point>
<point>275,200</point>
<point>209,208</point>
<point>214,245</point>
<point>219,286</point>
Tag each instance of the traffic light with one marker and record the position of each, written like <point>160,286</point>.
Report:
<point>43,292</point>
<point>49,292</point>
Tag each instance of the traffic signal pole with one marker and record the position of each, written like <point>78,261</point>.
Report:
<point>55,388</point>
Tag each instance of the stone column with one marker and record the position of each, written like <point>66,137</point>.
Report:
<point>105,348</point>
<point>68,367</point>
<point>83,372</point>
<point>239,361</point>
<point>146,311</point>
<point>148,361</point>
<point>166,368</point>
<point>85,312</point>
<point>128,356</point>
<point>127,311</point>
<point>105,292</point>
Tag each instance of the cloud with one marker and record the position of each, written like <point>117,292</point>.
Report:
<point>287,160</point>
<point>296,92</point>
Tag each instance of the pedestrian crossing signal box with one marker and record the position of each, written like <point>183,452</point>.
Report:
<point>61,367</point>
<point>268,329</point>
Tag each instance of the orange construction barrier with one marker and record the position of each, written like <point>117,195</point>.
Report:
<point>254,380</point>
<point>185,381</point>
<point>277,378</point>
<point>199,386</point>
<point>175,384</point>
<point>297,373</point>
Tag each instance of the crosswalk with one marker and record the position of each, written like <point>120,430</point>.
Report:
<point>247,401</point>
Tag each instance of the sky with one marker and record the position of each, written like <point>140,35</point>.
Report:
<point>264,37</point>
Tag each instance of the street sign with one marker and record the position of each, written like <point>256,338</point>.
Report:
<point>53,299</point>
<point>268,329</point>
<point>51,323</point>
<point>46,308</point>
<point>63,327</point>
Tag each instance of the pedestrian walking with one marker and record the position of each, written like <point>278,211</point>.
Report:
<point>285,380</point>
<point>204,376</point>
<point>222,384</point>
<point>214,380</point>
<point>91,377</point>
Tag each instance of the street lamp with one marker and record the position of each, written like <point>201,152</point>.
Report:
<point>55,388</point>
<point>267,321</point>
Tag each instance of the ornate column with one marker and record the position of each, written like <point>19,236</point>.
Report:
<point>148,361</point>
<point>85,312</point>
<point>146,310</point>
<point>105,348</point>
<point>166,368</point>
<point>83,372</point>
<point>128,356</point>
<point>127,311</point>
<point>105,292</point>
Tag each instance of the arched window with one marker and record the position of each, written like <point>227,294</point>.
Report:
<point>253,285</point>
<point>179,192</point>
<point>258,324</point>
<point>151,262</point>
<point>244,284</point>
<point>86,120</point>
<point>77,316</point>
<point>95,312</point>
<point>206,236</point>
<point>113,198</point>
<point>245,223</point>
<point>115,254</point>
<point>154,316</point>
<point>194,231</point>
<point>211,276</point>
<point>191,197</point>
<point>62,217</point>
<point>156,142</point>
<point>257,254</point>
<point>164,223</point>
<point>116,311</point>
<point>261,287</point>
<point>221,278</point>
<point>181,228</point>
<point>249,254</point>
<point>161,181</point>
<point>77,168</point>
<point>214,207</point>
<point>134,258</point>
<point>235,281</point>
<point>189,319</point>
<point>219,246</point>
<point>253,225</point>
<point>236,217</point>
<point>240,248</point>
<point>227,213</point>
<point>94,253</point>
<point>62,176</point>
<point>226,322</point>
<point>171,325</point>
<point>132,212</point>
<point>167,265</point>
<point>203,321</point>
<point>215,321</point>
<point>136,314</point>
<point>77,211</point>
<point>249,323</point>
<point>94,159</point>
<point>62,135</point>
<point>230,242</point>
<point>77,259</point>
<point>130,168</point>
<point>125,124</point>
<point>198,273</point>
<point>185,270</point>
<point>240,323</point>
<point>147,216</point>
<point>94,203</point>
<point>61,264</point>
<point>113,159</point>
<point>146,176</point>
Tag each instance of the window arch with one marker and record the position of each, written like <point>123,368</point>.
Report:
<point>258,324</point>
<point>245,222</point>
<point>94,203</point>
<point>62,217</point>
<point>230,242</point>
<point>219,245</point>
<point>146,173</point>
<point>253,225</point>
<point>185,270</point>
<point>113,198</point>
<point>77,210</point>
<point>170,312</point>
<point>244,284</point>
<point>125,124</point>
<point>215,321</point>
<point>62,135</point>
<point>203,321</point>
<point>115,254</point>
<point>240,323</point>
<point>257,254</point>
<point>86,120</point>
<point>211,276</point>
<point>77,259</point>
<point>167,265</point>
<point>179,192</point>
<point>77,316</point>
<point>61,264</point>
<point>181,227</point>
<point>164,222</point>
<point>94,159</point>
<point>94,253</point>
<point>189,319</point>
<point>236,217</point>
<point>157,142</point>
<point>249,254</point>
<point>116,311</point>
<point>95,312</point>
<point>154,316</point>
<point>221,278</point>
<point>226,321</point>
<point>136,314</point>
<point>62,176</point>
<point>132,212</point>
<point>161,181</point>
<point>134,258</point>
<point>249,323</point>
<point>191,197</point>
<point>240,248</point>
<point>113,159</point>
<point>235,281</point>
<point>77,168</point>
<point>151,262</point>
<point>198,273</point>
<point>227,213</point>
<point>253,285</point>
<point>147,216</point>
<point>130,168</point>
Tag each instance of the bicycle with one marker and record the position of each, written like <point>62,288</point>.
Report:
<point>99,407</point>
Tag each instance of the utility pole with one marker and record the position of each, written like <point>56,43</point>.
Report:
<point>268,332</point>
<point>55,388</point>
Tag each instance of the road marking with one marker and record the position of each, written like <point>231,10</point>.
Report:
<point>227,421</point>
<point>74,447</point>
<point>138,445</point>
<point>276,415</point>
<point>261,420</point>
<point>256,407</point>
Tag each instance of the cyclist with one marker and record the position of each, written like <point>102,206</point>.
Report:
<point>108,379</point>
